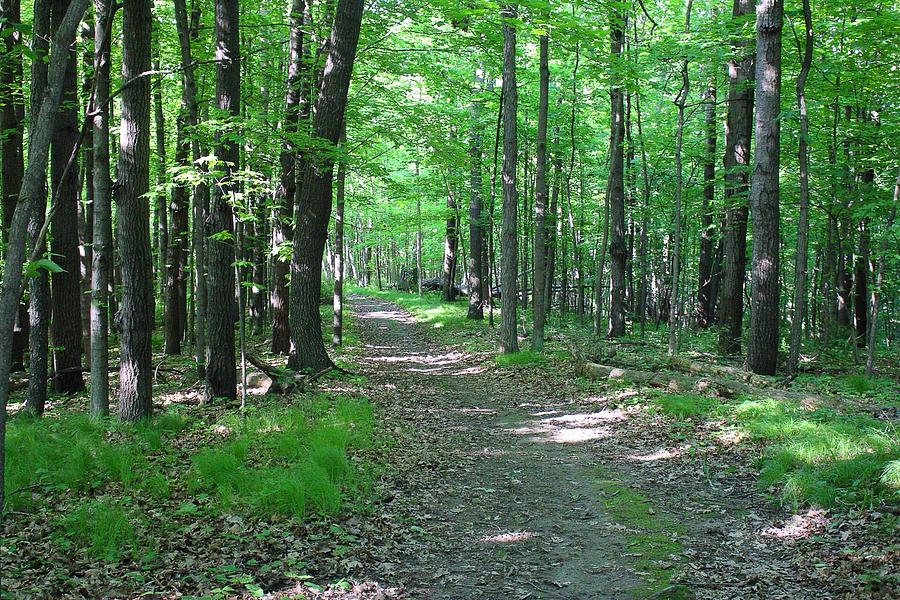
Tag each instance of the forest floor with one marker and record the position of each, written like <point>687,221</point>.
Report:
<point>435,469</point>
<point>521,481</point>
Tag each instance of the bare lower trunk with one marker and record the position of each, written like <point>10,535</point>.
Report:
<point>616,191</point>
<point>508,241</point>
<point>476,219</point>
<point>540,203</point>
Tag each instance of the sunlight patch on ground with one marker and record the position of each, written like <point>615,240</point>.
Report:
<point>505,538</point>
<point>391,315</point>
<point>571,428</point>
<point>799,526</point>
<point>662,454</point>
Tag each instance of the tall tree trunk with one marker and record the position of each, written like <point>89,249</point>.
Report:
<point>616,192</point>
<point>874,303</point>
<point>39,284</point>
<point>314,204</point>
<point>284,194</point>
<point>679,188</point>
<point>762,342</point>
<point>861,277</point>
<point>30,195</point>
<point>101,263</point>
<point>509,256</point>
<point>12,119</point>
<point>476,219</point>
<point>451,246</point>
<point>738,133</point>
<point>162,215</point>
<point>705,264</point>
<point>801,261</point>
<point>136,313</point>
<point>65,285</point>
<point>540,202</point>
<point>221,374</point>
<point>337,323</point>
<point>175,288</point>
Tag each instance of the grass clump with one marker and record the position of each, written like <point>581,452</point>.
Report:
<point>520,359</point>
<point>686,406</point>
<point>102,528</point>
<point>290,462</point>
<point>821,457</point>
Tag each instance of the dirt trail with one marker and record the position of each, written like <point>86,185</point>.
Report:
<point>507,489</point>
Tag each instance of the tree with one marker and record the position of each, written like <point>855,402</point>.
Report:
<point>540,202</point>
<point>101,267</point>
<point>509,252</point>
<point>476,218</point>
<point>136,313</point>
<point>313,206</point>
<point>738,133</point>
<point>221,374</point>
<point>65,282</point>
<point>30,195</point>
<point>705,266</point>
<point>800,264</point>
<point>616,185</point>
<point>762,341</point>
<point>337,325</point>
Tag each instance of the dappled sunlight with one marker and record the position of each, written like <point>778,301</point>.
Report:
<point>799,526</point>
<point>662,454</point>
<point>506,538</point>
<point>570,428</point>
<point>391,315</point>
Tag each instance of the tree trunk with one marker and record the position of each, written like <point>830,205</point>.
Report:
<point>540,202</point>
<point>162,215</point>
<point>39,284</point>
<point>861,277</point>
<point>136,313</point>
<point>30,195</point>
<point>762,343</point>
<point>705,264</point>
<point>476,219</point>
<point>337,324</point>
<point>175,288</point>
<point>451,246</point>
<point>801,262</point>
<point>284,194</point>
<point>879,282</point>
<point>738,132</point>
<point>221,374</point>
<point>65,285</point>
<point>101,263</point>
<point>679,188</point>
<point>616,186</point>
<point>12,119</point>
<point>314,204</point>
<point>509,257</point>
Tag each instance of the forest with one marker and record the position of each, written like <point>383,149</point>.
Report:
<point>563,299</point>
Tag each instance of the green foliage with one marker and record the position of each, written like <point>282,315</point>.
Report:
<point>519,359</point>
<point>687,406</point>
<point>103,528</point>
<point>822,457</point>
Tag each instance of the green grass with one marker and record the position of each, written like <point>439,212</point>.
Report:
<point>290,462</point>
<point>822,457</point>
<point>520,359</point>
<point>651,536</point>
<point>687,406</point>
<point>103,528</point>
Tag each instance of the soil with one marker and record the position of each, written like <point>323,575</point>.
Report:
<point>506,477</point>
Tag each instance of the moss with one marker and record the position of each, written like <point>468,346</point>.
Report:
<point>651,537</point>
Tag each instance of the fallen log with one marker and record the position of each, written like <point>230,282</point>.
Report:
<point>668,381</point>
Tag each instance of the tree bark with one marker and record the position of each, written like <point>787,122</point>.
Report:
<point>313,206</point>
<point>705,263</point>
<point>136,312</point>
<point>616,191</point>
<point>801,261</point>
<point>30,195</point>
<point>762,342</point>
<point>509,256</point>
<point>337,323</point>
<point>101,260</point>
<point>12,119</point>
<point>738,132</point>
<point>476,219</point>
<point>451,246</point>
<point>284,194</point>
<point>540,202</point>
<point>65,285</point>
<point>221,374</point>
<point>874,302</point>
